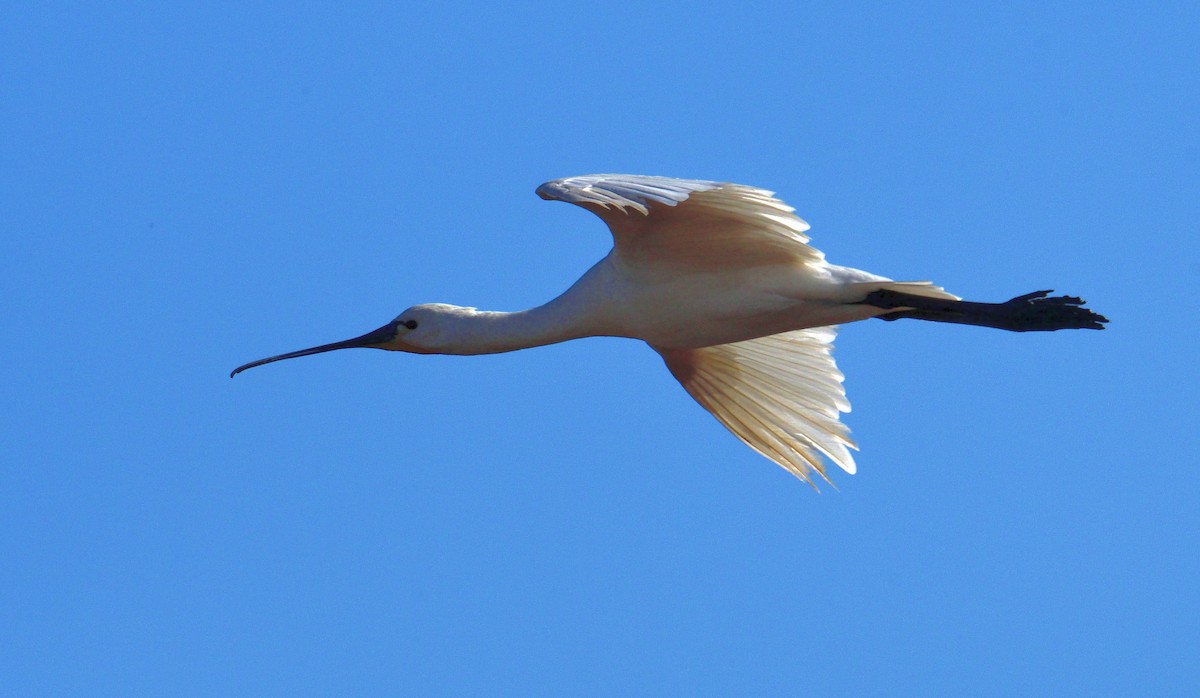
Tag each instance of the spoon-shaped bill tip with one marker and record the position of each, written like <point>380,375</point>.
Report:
<point>374,339</point>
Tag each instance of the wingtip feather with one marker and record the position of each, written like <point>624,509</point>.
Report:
<point>780,395</point>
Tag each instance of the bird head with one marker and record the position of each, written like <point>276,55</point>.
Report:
<point>417,330</point>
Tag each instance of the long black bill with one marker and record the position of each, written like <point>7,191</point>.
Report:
<point>371,339</point>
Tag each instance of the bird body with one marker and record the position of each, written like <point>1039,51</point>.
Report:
<point>685,311</point>
<point>720,280</point>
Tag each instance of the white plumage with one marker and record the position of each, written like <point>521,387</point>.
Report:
<point>720,280</point>
<point>780,394</point>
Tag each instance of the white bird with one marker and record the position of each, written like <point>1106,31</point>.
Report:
<point>719,279</point>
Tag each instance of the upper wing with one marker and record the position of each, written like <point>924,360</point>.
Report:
<point>781,395</point>
<point>689,222</point>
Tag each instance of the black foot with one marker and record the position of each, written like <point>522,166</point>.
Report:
<point>1038,311</point>
<point>1032,312</point>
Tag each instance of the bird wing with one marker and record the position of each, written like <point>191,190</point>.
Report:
<point>689,222</point>
<point>781,395</point>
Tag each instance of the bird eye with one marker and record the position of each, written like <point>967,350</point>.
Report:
<point>410,324</point>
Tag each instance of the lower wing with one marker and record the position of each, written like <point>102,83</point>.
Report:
<point>781,395</point>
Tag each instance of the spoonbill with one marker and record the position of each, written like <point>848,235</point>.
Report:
<point>720,280</point>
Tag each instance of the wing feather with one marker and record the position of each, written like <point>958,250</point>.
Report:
<point>623,192</point>
<point>781,395</point>
<point>690,222</point>
<point>754,428</point>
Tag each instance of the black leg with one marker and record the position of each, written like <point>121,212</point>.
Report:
<point>1032,312</point>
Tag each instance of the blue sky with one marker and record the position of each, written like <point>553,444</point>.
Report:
<point>184,189</point>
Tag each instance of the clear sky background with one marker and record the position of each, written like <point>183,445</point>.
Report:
<point>183,189</point>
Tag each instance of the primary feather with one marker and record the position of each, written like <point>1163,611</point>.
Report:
<point>689,222</point>
<point>781,395</point>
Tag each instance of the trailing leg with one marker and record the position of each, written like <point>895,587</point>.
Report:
<point>1032,312</point>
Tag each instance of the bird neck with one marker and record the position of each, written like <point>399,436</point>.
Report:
<point>493,332</point>
<point>581,311</point>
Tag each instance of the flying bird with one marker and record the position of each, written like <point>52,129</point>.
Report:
<point>720,280</point>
